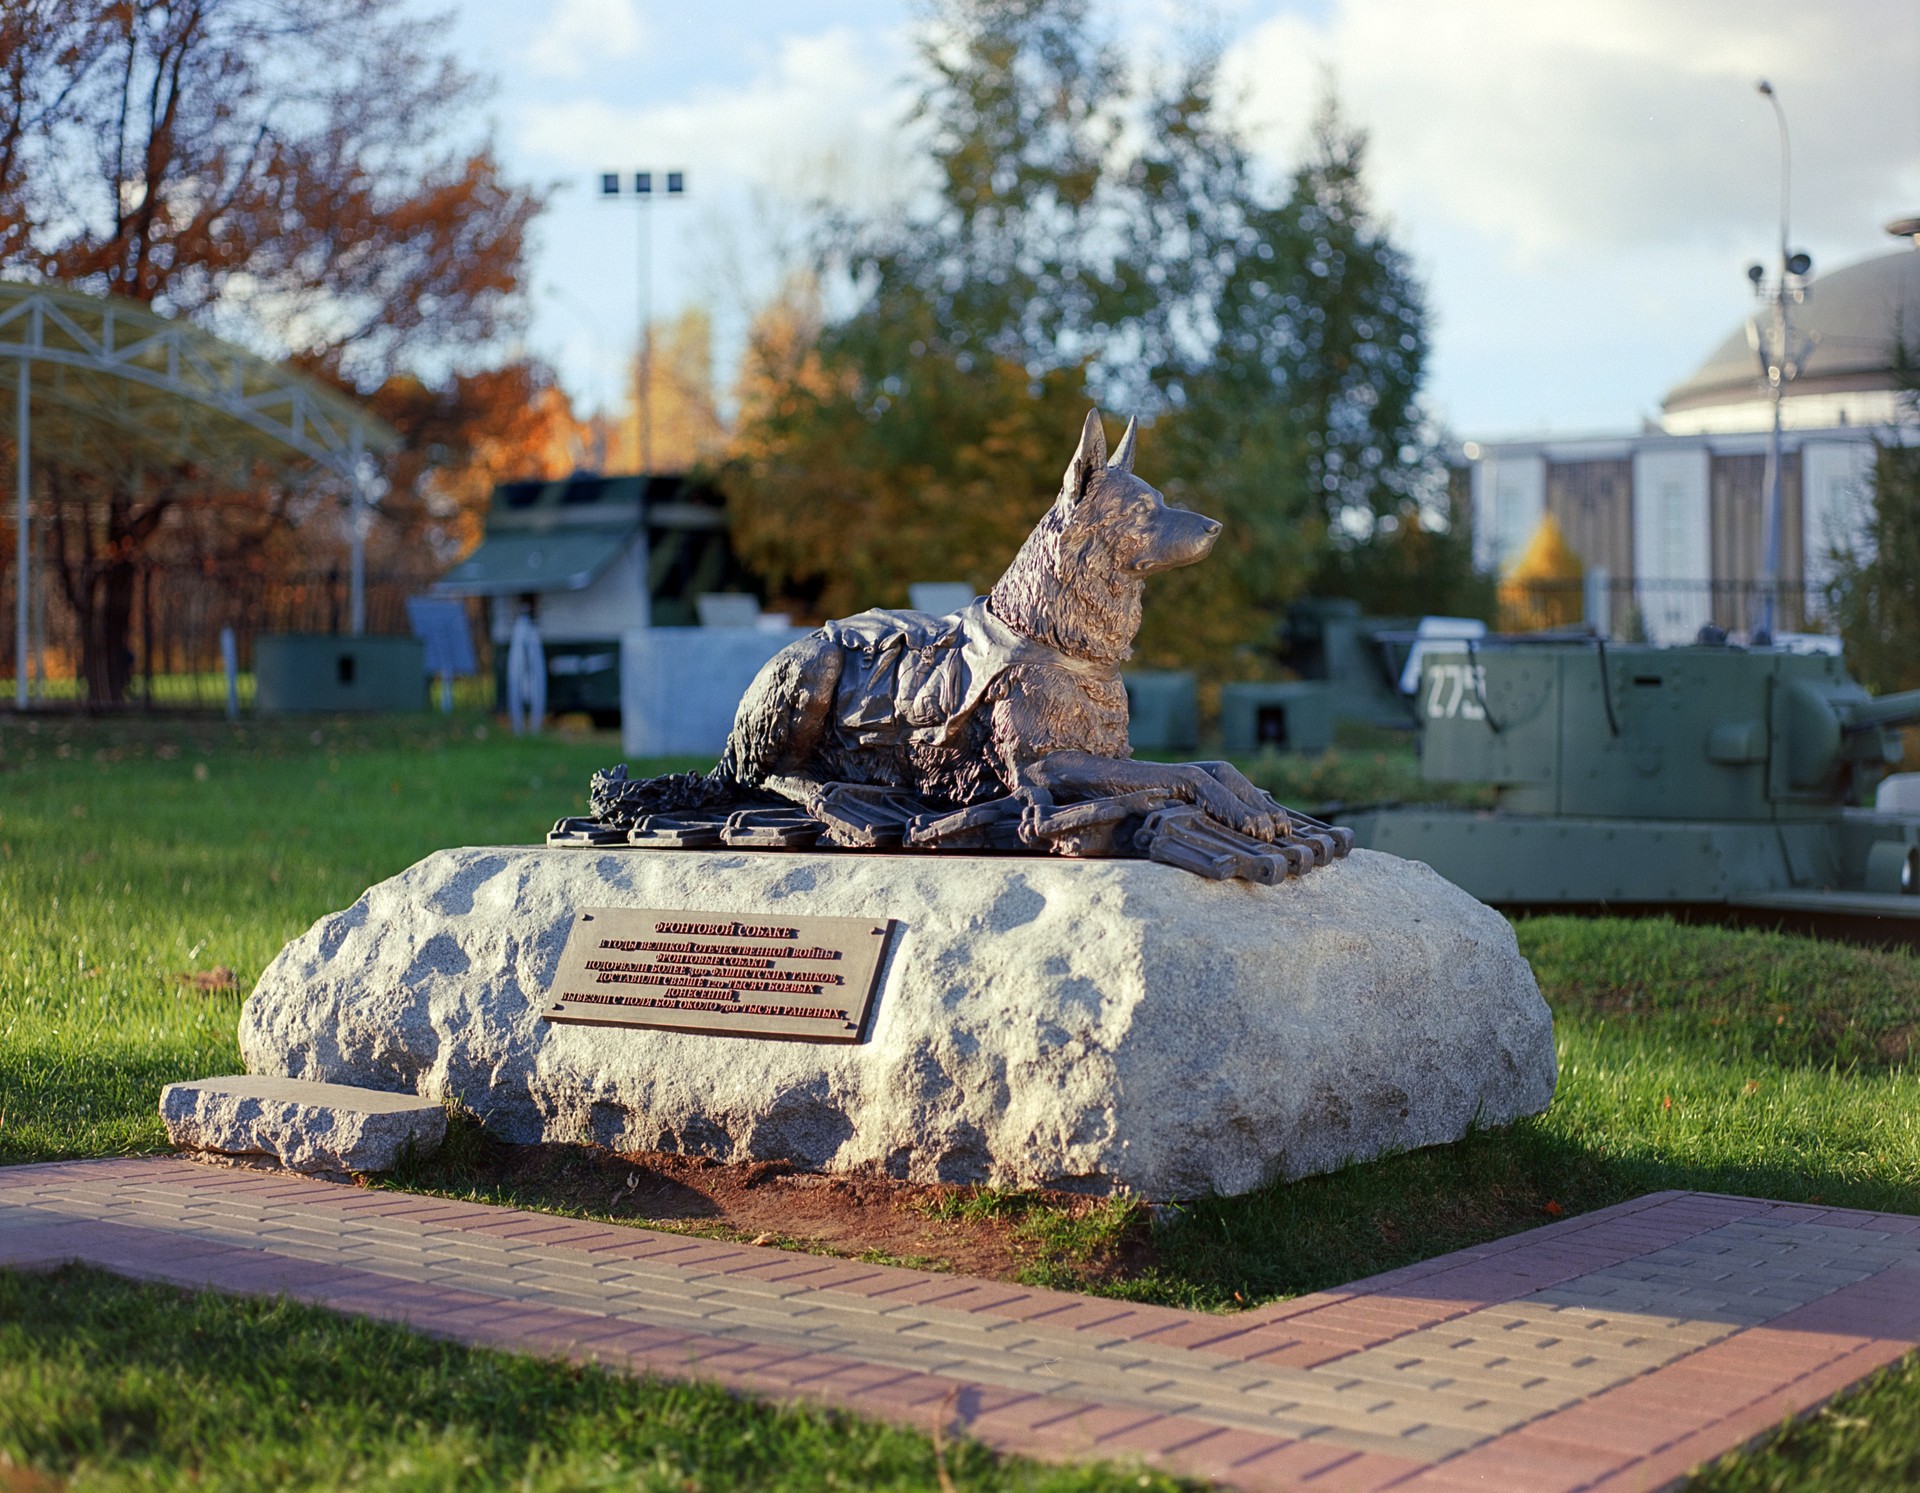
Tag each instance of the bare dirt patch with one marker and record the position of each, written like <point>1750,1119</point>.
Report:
<point>968,1230</point>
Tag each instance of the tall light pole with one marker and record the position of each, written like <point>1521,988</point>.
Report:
<point>1779,361</point>
<point>358,520</point>
<point>23,551</point>
<point>642,193</point>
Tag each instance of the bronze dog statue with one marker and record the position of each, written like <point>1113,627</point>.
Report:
<point>1019,693</point>
<point>1001,726</point>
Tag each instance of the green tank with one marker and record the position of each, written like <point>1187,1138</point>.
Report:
<point>1709,778</point>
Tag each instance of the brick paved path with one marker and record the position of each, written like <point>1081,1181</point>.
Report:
<point>1614,1350</point>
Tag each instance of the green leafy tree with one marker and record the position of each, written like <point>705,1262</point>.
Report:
<point>908,440</point>
<point>1336,319</point>
<point>1085,241</point>
<point>1875,593</point>
<point>1324,335</point>
<point>1022,110</point>
<point>1224,440</point>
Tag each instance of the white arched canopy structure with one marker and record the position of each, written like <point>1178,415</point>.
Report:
<point>93,373</point>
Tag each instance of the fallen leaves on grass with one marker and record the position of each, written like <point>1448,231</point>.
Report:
<point>14,1478</point>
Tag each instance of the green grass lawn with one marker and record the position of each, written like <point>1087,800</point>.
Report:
<point>134,854</point>
<point>105,1384</point>
<point>137,855</point>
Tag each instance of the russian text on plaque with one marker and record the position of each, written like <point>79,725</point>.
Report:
<point>799,978</point>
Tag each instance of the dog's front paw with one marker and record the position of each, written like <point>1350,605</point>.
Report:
<point>1259,826</point>
<point>1229,809</point>
<point>1257,812</point>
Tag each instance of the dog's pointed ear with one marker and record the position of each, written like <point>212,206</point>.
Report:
<point>1123,454</point>
<point>1091,456</point>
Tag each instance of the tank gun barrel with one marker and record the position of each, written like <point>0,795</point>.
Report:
<point>1902,709</point>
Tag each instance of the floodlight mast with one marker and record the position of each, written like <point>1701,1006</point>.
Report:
<point>643,194</point>
<point>1778,364</point>
<point>21,550</point>
<point>357,521</point>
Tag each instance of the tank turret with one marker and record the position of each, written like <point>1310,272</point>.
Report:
<point>1632,774</point>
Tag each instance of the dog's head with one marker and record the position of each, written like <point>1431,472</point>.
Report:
<point>1104,507</point>
<point>1076,583</point>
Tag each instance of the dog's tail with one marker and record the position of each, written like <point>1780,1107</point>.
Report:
<point>616,799</point>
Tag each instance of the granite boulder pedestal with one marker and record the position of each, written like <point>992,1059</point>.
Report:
<point>1098,1025</point>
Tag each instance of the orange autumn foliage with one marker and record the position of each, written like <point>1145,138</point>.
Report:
<point>683,428</point>
<point>842,496</point>
<point>461,438</point>
<point>1541,589</point>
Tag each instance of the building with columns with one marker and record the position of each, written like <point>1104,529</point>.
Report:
<point>1670,520</point>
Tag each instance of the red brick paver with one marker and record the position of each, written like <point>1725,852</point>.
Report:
<point>1616,1350</point>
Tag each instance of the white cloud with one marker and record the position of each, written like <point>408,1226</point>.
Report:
<point>1582,184</point>
<point>579,34</point>
<point>807,117</point>
<point>1566,128</point>
<point>819,120</point>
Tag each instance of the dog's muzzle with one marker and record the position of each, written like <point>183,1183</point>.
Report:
<point>1180,539</point>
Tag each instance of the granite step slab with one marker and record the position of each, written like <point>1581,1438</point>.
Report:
<point>326,1128</point>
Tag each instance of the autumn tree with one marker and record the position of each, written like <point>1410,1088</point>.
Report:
<point>291,174</point>
<point>844,493</point>
<point>461,436</point>
<point>671,395</point>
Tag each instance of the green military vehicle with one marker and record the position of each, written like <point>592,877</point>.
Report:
<point>1696,779</point>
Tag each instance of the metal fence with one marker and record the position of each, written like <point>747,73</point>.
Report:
<point>173,654</point>
<point>179,611</point>
<point>1663,611</point>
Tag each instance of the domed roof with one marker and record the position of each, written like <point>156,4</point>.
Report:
<point>1850,316</point>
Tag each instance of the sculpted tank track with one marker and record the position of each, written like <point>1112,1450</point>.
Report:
<point>688,811</point>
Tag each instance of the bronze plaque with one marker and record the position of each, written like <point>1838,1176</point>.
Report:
<point>803,979</point>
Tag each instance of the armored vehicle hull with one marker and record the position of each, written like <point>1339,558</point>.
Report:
<point>1812,876</point>
<point>1705,780</point>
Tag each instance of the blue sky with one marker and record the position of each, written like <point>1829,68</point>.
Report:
<point>1580,185</point>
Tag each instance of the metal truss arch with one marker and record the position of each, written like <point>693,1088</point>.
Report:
<point>98,381</point>
<point>172,389</point>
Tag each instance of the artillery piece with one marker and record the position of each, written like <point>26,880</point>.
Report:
<point>1698,778</point>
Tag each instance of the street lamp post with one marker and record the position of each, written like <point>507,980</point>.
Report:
<point>357,522</point>
<point>23,553</point>
<point>642,192</point>
<point>1779,362</point>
